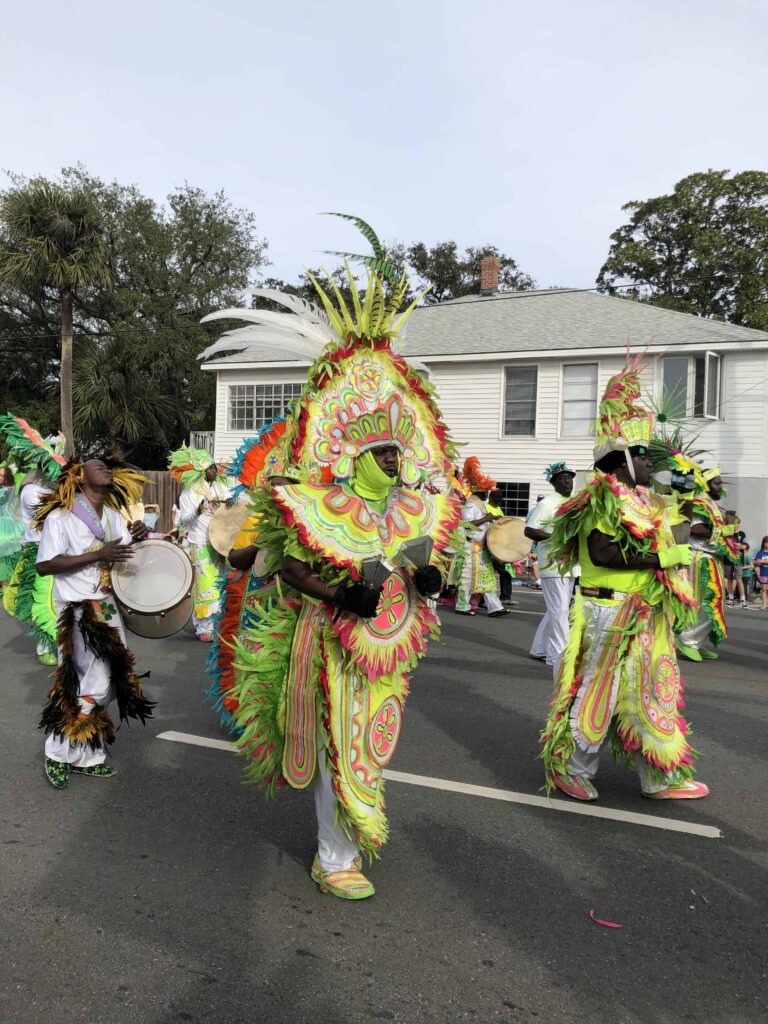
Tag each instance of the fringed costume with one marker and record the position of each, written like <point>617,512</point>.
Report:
<point>29,597</point>
<point>95,666</point>
<point>320,683</point>
<point>618,678</point>
<point>11,533</point>
<point>472,570</point>
<point>706,574</point>
<point>189,466</point>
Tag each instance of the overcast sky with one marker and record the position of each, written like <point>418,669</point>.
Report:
<point>526,125</point>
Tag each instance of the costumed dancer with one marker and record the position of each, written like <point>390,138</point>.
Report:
<point>473,571</point>
<point>259,462</point>
<point>11,527</point>
<point>618,677</point>
<point>713,542</point>
<point>206,488</point>
<point>82,534</point>
<point>322,681</point>
<point>552,635</point>
<point>29,597</point>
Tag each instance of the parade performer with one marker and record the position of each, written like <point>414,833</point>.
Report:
<point>713,542</point>
<point>473,571</point>
<point>11,527</point>
<point>82,534</point>
<point>321,687</point>
<point>618,677</point>
<point>259,462</point>
<point>552,634</point>
<point>206,488</point>
<point>29,597</point>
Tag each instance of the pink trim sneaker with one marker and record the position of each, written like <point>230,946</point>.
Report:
<point>689,790</point>
<point>576,786</point>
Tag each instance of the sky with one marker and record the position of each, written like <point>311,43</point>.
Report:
<point>525,125</point>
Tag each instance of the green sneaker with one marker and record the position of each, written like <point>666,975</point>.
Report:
<point>57,773</point>
<point>709,655</point>
<point>689,652</point>
<point>48,658</point>
<point>99,771</point>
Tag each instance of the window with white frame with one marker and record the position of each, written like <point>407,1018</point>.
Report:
<point>691,385</point>
<point>520,385</point>
<point>579,399</point>
<point>252,406</point>
<point>515,498</point>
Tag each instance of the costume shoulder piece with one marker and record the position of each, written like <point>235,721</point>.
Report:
<point>28,449</point>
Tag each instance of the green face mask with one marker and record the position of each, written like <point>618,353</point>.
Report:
<point>369,481</point>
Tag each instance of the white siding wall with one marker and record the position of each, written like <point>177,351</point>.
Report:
<point>228,441</point>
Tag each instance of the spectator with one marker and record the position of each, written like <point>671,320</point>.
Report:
<point>761,571</point>
<point>734,573</point>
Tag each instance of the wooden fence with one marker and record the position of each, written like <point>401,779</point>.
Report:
<point>164,491</point>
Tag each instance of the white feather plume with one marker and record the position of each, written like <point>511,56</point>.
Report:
<point>306,310</point>
<point>272,336</point>
<point>290,331</point>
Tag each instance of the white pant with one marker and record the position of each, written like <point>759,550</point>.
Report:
<point>206,625</point>
<point>552,635</point>
<point>585,764</point>
<point>335,850</point>
<point>94,683</point>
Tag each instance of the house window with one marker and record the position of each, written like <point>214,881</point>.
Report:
<point>252,406</point>
<point>579,399</point>
<point>520,400</point>
<point>691,385</point>
<point>515,498</point>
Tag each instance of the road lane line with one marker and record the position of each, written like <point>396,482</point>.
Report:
<point>505,795</point>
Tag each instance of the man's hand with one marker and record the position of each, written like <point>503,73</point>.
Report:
<point>114,552</point>
<point>229,502</point>
<point>678,554</point>
<point>358,599</point>
<point>200,508</point>
<point>428,580</point>
<point>138,530</point>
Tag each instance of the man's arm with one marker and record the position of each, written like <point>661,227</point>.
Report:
<point>300,576</point>
<point>608,554</point>
<point>112,552</point>
<point>243,558</point>
<point>533,534</point>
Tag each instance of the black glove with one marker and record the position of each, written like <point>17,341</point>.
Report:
<point>358,599</point>
<point>428,580</point>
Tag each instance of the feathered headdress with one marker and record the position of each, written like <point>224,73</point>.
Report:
<point>261,457</point>
<point>360,393</point>
<point>474,478</point>
<point>127,488</point>
<point>28,448</point>
<point>188,465</point>
<point>621,423</point>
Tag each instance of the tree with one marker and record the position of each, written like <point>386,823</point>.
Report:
<point>170,265</point>
<point>703,249</point>
<point>453,274</point>
<point>54,243</point>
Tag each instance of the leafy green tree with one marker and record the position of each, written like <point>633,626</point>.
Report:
<point>703,249</point>
<point>54,246</point>
<point>454,274</point>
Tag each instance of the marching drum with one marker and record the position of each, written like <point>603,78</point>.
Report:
<point>506,539</point>
<point>154,589</point>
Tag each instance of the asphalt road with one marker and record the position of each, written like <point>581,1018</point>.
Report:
<point>173,892</point>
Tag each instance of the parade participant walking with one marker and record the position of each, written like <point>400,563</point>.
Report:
<point>734,571</point>
<point>552,634</point>
<point>760,562</point>
<point>82,534</point>
<point>11,527</point>
<point>713,543</point>
<point>322,684</point>
<point>618,676</point>
<point>28,597</point>
<point>473,571</point>
<point>206,489</point>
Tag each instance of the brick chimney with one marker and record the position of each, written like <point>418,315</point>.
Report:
<point>489,275</point>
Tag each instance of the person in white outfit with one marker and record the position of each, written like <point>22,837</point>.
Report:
<point>552,634</point>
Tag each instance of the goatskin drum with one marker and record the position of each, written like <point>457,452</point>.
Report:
<point>154,589</point>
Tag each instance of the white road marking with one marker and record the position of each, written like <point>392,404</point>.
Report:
<point>505,795</point>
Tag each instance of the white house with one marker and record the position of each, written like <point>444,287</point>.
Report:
<point>519,375</point>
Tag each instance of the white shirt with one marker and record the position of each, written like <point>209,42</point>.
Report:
<point>64,534</point>
<point>197,525</point>
<point>541,517</point>
<point>469,513</point>
<point>29,497</point>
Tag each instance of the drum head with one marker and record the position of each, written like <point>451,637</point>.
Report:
<point>156,579</point>
<point>225,526</point>
<point>506,539</point>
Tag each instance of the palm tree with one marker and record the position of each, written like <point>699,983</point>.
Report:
<point>54,243</point>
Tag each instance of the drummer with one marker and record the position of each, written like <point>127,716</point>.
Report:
<point>552,635</point>
<point>206,489</point>
<point>473,571</point>
<point>82,534</point>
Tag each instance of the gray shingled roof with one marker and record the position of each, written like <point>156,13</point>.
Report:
<point>541,320</point>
